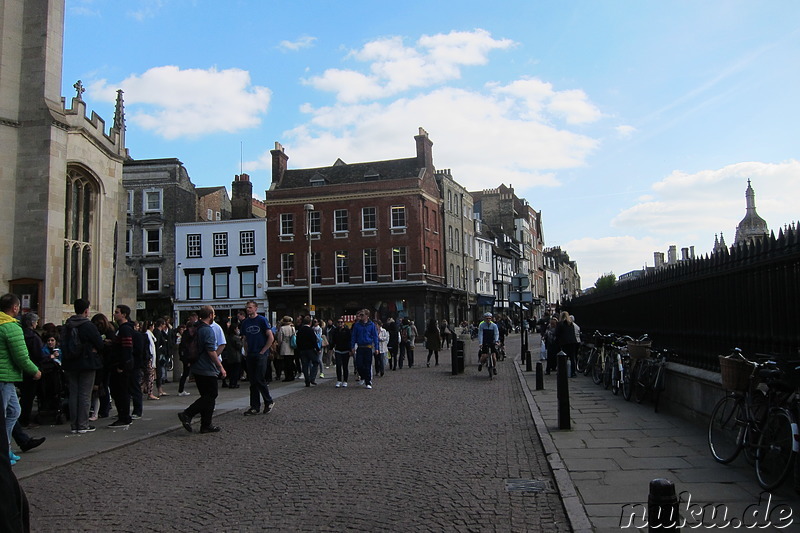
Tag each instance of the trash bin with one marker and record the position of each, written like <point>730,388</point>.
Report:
<point>457,358</point>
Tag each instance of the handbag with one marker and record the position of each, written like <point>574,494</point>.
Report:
<point>293,341</point>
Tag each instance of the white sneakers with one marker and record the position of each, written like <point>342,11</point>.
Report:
<point>369,386</point>
<point>344,384</point>
<point>184,393</point>
<point>338,384</point>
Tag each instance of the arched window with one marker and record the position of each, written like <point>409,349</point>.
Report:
<point>78,225</point>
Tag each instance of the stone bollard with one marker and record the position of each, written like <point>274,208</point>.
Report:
<point>563,392</point>
<point>662,506</point>
<point>539,376</point>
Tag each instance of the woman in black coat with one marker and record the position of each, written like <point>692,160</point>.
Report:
<point>567,341</point>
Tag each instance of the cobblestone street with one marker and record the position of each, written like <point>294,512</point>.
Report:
<point>423,450</point>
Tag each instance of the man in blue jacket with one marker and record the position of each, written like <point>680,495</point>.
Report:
<point>364,343</point>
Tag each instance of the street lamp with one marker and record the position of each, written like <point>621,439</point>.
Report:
<point>308,208</point>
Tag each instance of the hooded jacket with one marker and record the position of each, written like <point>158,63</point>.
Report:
<point>91,340</point>
<point>14,360</point>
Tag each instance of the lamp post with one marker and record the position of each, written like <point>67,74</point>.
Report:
<point>308,208</point>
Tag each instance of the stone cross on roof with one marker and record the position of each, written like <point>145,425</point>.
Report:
<point>80,89</point>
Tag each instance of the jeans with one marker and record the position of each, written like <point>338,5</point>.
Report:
<point>11,408</point>
<point>184,375</point>
<point>380,363</point>
<point>310,362</point>
<point>81,383</point>
<point>135,389</point>
<point>364,364</point>
<point>407,348</point>
<point>393,357</point>
<point>204,405</point>
<point>118,383</point>
<point>342,365</point>
<point>256,373</point>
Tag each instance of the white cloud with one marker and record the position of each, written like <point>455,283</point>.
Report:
<point>146,9</point>
<point>484,138</point>
<point>689,209</point>
<point>625,131</point>
<point>292,46</point>
<point>174,103</point>
<point>394,67</point>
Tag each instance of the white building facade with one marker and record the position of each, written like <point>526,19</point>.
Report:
<point>222,264</point>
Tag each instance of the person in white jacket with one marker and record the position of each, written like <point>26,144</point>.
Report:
<point>383,337</point>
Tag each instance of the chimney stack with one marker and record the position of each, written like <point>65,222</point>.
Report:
<point>241,197</point>
<point>279,160</point>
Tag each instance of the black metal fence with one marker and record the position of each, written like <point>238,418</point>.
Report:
<point>746,297</point>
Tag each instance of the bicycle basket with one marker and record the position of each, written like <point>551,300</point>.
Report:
<point>735,373</point>
<point>639,350</point>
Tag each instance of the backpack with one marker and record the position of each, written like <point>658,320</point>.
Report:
<point>190,345</point>
<point>404,333</point>
<point>72,349</point>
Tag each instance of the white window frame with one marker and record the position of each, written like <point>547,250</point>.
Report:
<point>146,241</point>
<point>247,242</point>
<point>373,255</point>
<point>245,283</point>
<point>339,216</point>
<point>190,247</point>
<point>398,253</point>
<point>209,214</point>
<point>364,217</point>
<point>198,286</point>
<point>129,242</point>
<point>146,204</point>
<point>400,210</point>
<point>215,277</point>
<point>288,280</point>
<point>146,279</point>
<point>286,222</point>
<point>130,202</point>
<point>220,240</point>
<point>342,266</point>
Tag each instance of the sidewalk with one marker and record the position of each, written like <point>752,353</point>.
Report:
<point>615,448</point>
<point>159,417</point>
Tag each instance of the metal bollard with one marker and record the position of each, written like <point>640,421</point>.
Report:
<point>539,376</point>
<point>662,506</point>
<point>528,361</point>
<point>563,392</point>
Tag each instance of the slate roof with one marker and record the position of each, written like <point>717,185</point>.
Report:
<point>341,173</point>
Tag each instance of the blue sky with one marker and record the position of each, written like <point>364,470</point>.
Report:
<point>632,125</point>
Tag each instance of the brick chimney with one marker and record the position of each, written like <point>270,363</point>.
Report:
<point>279,159</point>
<point>424,151</point>
<point>241,197</point>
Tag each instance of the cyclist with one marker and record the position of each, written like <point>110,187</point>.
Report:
<point>488,338</point>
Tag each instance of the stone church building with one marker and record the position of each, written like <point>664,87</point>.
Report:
<point>60,175</point>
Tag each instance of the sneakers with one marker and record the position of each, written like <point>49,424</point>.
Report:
<point>87,429</point>
<point>31,444</point>
<point>251,412</point>
<point>369,386</point>
<point>338,384</point>
<point>186,422</point>
<point>184,393</point>
<point>210,429</point>
<point>136,417</point>
<point>322,375</point>
<point>344,384</point>
<point>13,456</point>
<point>480,367</point>
<point>268,408</point>
<point>495,371</point>
<point>360,381</point>
<point>119,424</point>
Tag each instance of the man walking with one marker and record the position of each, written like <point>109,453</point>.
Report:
<point>14,361</point>
<point>258,340</point>
<point>121,366</point>
<point>206,370</point>
<point>307,349</point>
<point>364,343</point>
<point>81,344</point>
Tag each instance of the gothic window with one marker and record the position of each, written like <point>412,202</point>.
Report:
<point>79,230</point>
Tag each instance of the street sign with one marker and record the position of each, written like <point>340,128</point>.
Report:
<point>527,297</point>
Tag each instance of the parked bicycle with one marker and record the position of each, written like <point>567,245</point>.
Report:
<point>753,417</point>
<point>649,375</point>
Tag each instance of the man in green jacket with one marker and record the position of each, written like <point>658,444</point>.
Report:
<point>14,361</point>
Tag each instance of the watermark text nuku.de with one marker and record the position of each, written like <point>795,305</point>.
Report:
<point>692,515</point>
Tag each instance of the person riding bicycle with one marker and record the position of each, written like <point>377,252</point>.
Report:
<point>488,338</point>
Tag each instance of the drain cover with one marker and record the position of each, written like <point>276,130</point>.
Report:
<point>527,485</point>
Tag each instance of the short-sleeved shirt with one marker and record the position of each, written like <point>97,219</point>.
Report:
<point>255,332</point>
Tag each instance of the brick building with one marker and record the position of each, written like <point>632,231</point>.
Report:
<point>213,203</point>
<point>375,233</point>
<point>160,194</point>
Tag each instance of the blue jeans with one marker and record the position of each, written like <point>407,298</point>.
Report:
<point>310,363</point>
<point>256,373</point>
<point>364,364</point>
<point>11,407</point>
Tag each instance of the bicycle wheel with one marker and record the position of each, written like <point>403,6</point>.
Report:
<point>607,372</point>
<point>490,366</point>
<point>591,355</point>
<point>615,379</point>
<point>627,382</point>
<point>597,368</point>
<point>775,452</point>
<point>640,380</point>
<point>658,385</point>
<point>726,429</point>
<point>582,360</point>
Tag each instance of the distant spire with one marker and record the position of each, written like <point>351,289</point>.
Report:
<point>752,228</point>
<point>119,113</point>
